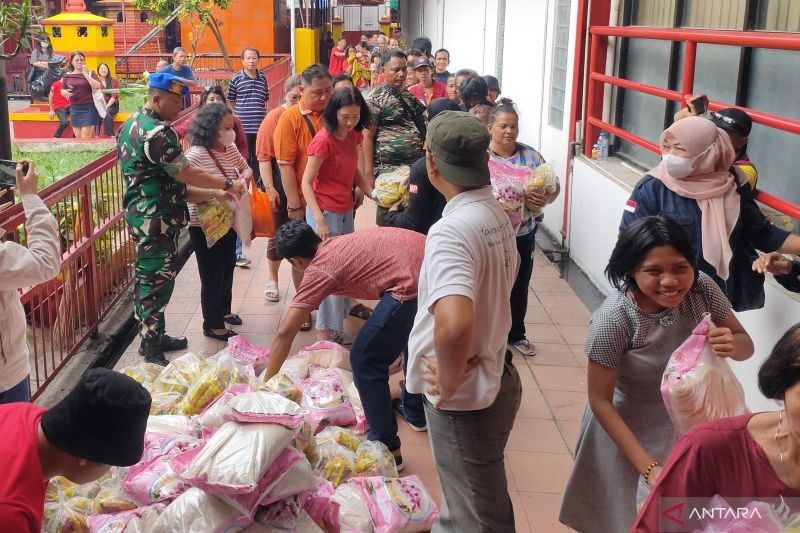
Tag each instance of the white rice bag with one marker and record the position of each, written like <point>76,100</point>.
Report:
<point>264,406</point>
<point>236,457</point>
<point>327,354</point>
<point>195,511</point>
<point>348,511</point>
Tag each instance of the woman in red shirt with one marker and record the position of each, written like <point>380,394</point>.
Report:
<point>335,159</point>
<point>77,86</point>
<point>749,457</point>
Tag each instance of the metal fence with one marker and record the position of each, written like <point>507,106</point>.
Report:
<point>97,263</point>
<point>598,80</point>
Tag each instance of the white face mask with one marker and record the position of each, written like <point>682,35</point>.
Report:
<point>45,44</point>
<point>678,167</point>
<point>227,137</point>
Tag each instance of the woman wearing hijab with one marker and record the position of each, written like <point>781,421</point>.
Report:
<point>693,186</point>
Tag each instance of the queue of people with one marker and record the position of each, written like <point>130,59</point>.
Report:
<point>439,266</point>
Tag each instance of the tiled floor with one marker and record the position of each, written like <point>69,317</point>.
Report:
<point>539,450</point>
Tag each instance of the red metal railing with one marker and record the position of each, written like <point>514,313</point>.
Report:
<point>97,254</point>
<point>690,37</point>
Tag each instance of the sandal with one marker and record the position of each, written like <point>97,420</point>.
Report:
<point>271,292</point>
<point>306,325</point>
<point>525,347</point>
<point>361,311</point>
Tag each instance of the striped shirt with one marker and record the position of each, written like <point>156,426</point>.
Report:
<point>231,161</point>
<point>251,96</point>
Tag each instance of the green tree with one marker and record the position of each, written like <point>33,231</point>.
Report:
<point>19,24</point>
<point>161,10</point>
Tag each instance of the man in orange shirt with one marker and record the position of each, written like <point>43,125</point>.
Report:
<point>271,177</point>
<point>295,129</point>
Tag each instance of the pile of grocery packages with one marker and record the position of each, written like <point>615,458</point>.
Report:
<point>513,184</point>
<point>225,451</point>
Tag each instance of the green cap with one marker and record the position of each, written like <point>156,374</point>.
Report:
<point>459,142</point>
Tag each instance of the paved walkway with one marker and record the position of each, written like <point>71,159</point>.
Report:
<point>539,452</point>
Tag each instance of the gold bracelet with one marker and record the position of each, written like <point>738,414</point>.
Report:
<point>650,470</point>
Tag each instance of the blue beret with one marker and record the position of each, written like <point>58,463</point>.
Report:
<point>168,82</point>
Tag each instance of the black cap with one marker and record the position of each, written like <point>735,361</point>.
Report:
<point>734,120</point>
<point>438,105</point>
<point>103,419</point>
<point>421,62</point>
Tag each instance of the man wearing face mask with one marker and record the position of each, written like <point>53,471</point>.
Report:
<point>158,182</point>
<point>694,185</point>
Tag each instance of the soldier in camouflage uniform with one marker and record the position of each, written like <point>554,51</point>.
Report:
<point>398,131</point>
<point>158,182</point>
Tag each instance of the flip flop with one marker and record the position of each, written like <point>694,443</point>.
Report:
<point>306,325</point>
<point>525,347</point>
<point>361,311</point>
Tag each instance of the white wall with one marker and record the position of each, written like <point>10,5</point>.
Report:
<point>597,204</point>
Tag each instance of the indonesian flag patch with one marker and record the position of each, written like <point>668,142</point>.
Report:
<point>630,206</point>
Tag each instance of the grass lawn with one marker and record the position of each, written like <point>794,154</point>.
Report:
<point>61,162</point>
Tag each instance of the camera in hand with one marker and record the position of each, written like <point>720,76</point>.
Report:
<point>8,172</point>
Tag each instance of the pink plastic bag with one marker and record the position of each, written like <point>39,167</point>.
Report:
<point>398,505</point>
<point>248,503</point>
<point>114,523</point>
<point>697,386</point>
<point>508,182</point>
<point>267,407</point>
<point>246,353</point>
<point>318,501</point>
<point>326,401</point>
<point>755,516</point>
<point>326,354</point>
<point>243,218</point>
<point>154,482</point>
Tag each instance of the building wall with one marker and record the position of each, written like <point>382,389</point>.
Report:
<point>245,23</point>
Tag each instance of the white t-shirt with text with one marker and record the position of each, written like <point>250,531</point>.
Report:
<point>470,252</point>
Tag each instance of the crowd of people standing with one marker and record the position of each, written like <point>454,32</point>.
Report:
<point>439,263</point>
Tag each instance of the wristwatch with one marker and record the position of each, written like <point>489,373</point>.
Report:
<point>228,184</point>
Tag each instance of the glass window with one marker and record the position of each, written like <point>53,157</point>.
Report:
<point>773,76</point>
<point>104,31</point>
<point>83,31</point>
<point>659,13</point>
<point>558,66</point>
<point>715,14</point>
<point>777,15</point>
<point>648,61</point>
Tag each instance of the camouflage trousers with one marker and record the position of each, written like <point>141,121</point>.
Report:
<point>156,268</point>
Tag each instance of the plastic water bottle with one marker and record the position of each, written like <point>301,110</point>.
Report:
<point>602,147</point>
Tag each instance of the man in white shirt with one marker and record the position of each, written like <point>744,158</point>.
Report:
<point>457,348</point>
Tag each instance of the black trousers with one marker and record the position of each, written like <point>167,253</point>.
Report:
<point>108,122</point>
<point>519,292</point>
<point>63,121</point>
<point>252,159</point>
<point>216,266</point>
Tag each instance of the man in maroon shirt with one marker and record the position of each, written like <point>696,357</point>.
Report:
<point>99,424</point>
<point>372,264</point>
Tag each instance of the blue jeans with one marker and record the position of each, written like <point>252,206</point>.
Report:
<point>383,337</point>
<point>238,247</point>
<point>333,309</point>
<point>20,392</point>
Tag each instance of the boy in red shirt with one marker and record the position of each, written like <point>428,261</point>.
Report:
<point>59,106</point>
<point>372,264</point>
<point>99,424</point>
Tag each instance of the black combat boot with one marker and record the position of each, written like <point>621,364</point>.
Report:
<point>151,350</point>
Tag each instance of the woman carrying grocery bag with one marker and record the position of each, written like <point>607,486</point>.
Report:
<point>626,432</point>
<point>329,179</point>
<point>211,219</point>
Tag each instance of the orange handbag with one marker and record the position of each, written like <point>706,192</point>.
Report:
<point>261,208</point>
